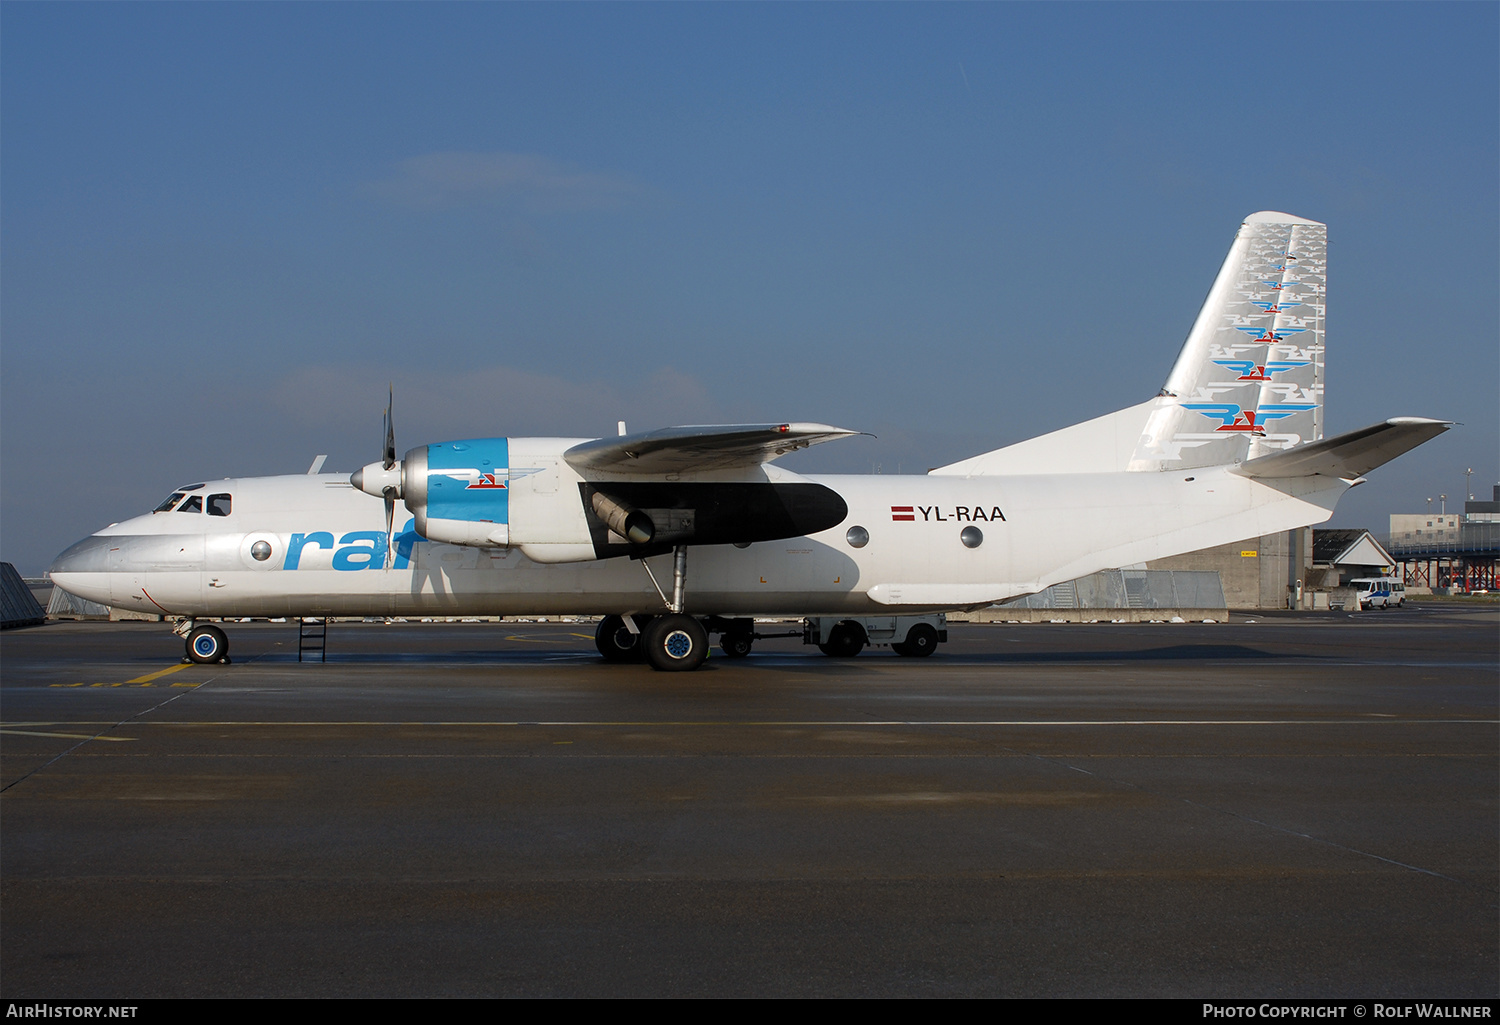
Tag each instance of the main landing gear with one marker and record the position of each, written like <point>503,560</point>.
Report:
<point>674,642</point>
<point>677,642</point>
<point>205,644</point>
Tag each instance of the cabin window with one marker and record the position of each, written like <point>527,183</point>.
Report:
<point>171,500</point>
<point>218,505</point>
<point>193,504</point>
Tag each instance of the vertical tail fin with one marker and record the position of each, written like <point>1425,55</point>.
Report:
<point>1249,380</point>
<point>1247,383</point>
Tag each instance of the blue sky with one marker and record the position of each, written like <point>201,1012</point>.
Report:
<point>224,228</point>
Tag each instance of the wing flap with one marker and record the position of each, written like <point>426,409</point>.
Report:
<point>1347,456</point>
<point>698,448</point>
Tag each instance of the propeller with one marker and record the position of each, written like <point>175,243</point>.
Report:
<point>384,479</point>
<point>390,491</point>
<point>388,458</point>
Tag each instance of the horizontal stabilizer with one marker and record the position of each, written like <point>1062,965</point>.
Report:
<point>1350,455</point>
<point>691,449</point>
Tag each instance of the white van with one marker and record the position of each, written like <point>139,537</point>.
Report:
<point>1379,592</point>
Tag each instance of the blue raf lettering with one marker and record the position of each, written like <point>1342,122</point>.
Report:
<point>361,549</point>
<point>357,556</point>
<point>320,538</point>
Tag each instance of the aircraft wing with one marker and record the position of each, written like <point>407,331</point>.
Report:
<point>688,449</point>
<point>1350,455</point>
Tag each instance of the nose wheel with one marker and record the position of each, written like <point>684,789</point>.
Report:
<point>207,644</point>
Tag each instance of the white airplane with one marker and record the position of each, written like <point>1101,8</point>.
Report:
<point>510,526</point>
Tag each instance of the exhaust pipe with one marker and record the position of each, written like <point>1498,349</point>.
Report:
<point>631,524</point>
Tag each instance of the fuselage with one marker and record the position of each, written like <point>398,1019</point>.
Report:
<point>310,545</point>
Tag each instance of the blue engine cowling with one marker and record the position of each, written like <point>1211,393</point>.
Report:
<point>459,491</point>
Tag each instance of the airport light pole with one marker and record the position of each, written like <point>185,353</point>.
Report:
<point>1468,487</point>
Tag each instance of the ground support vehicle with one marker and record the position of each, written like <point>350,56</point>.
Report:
<point>915,636</point>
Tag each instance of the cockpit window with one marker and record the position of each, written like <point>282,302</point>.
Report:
<point>193,504</point>
<point>218,505</point>
<point>193,487</point>
<point>171,500</point>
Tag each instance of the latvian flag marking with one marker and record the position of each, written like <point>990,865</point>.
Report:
<point>903,512</point>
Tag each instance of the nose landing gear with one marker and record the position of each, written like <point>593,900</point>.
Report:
<point>207,644</point>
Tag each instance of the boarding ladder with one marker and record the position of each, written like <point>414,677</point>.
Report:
<point>312,639</point>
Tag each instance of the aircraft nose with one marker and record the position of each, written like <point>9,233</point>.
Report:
<point>83,568</point>
<point>91,555</point>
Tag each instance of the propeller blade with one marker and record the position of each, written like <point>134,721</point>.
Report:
<point>388,455</point>
<point>390,522</point>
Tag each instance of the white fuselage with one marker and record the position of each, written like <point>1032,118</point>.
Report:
<point>328,548</point>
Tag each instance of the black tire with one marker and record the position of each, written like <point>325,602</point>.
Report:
<point>844,641</point>
<point>736,645</point>
<point>921,641</point>
<point>675,644</point>
<point>207,644</point>
<point>615,641</point>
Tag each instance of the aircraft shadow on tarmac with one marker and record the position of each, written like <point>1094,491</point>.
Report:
<point>539,651</point>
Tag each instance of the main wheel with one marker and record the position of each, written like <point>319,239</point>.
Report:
<point>736,645</point>
<point>615,641</point>
<point>675,643</point>
<point>844,641</point>
<point>207,644</point>
<point>921,641</point>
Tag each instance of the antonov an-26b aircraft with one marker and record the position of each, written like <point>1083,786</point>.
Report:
<point>674,534</point>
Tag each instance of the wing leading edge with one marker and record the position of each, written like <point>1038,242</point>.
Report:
<point>699,448</point>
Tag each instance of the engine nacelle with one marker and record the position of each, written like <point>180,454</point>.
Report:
<point>468,493</point>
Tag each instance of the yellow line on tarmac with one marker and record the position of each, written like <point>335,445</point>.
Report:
<point>160,673</point>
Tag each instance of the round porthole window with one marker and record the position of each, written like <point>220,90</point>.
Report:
<point>972,537</point>
<point>857,537</point>
<point>260,551</point>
